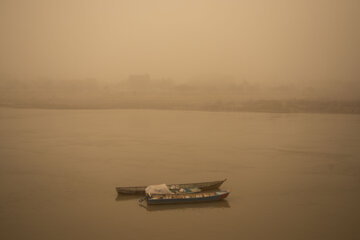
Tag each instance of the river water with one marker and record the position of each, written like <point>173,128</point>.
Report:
<point>291,176</point>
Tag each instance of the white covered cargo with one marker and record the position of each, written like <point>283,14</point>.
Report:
<point>157,189</point>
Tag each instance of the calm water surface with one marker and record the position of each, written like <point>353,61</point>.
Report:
<point>291,176</point>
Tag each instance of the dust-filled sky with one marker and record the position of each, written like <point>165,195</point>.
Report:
<point>287,40</point>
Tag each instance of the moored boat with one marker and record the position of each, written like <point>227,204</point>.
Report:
<point>203,186</point>
<point>186,198</point>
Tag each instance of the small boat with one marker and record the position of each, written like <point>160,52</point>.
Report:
<point>186,198</point>
<point>203,186</point>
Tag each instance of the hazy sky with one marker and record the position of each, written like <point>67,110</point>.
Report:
<point>249,39</point>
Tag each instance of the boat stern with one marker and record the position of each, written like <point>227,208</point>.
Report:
<point>223,194</point>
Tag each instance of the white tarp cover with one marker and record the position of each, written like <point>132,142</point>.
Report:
<point>157,189</point>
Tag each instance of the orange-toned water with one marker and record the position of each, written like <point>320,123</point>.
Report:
<point>291,176</point>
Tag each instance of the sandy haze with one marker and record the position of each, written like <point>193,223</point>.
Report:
<point>201,53</point>
<point>88,93</point>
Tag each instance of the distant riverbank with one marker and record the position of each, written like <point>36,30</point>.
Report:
<point>275,106</point>
<point>219,96</point>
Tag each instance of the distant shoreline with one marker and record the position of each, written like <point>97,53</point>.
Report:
<point>261,106</point>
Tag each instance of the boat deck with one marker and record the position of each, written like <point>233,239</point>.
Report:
<point>187,198</point>
<point>183,196</point>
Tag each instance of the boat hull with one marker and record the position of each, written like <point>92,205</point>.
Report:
<point>187,198</point>
<point>204,186</point>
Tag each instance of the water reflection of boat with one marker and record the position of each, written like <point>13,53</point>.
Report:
<point>201,185</point>
<point>190,206</point>
<point>124,198</point>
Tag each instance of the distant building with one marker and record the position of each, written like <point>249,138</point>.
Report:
<point>142,81</point>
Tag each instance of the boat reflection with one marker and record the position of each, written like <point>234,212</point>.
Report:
<point>121,197</point>
<point>186,206</point>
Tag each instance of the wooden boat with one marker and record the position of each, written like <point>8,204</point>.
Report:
<point>186,198</point>
<point>202,185</point>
